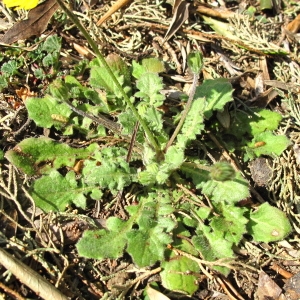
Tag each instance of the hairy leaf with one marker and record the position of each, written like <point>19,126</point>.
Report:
<point>230,191</point>
<point>147,246</point>
<point>108,243</point>
<point>42,110</point>
<point>54,192</point>
<point>150,85</point>
<point>193,124</point>
<point>217,93</point>
<point>212,246</point>
<point>33,155</point>
<point>148,65</point>
<point>179,274</point>
<point>173,160</point>
<point>113,172</point>
<point>257,122</point>
<point>268,224</point>
<point>100,79</point>
<point>77,90</point>
<point>266,143</point>
<point>230,221</point>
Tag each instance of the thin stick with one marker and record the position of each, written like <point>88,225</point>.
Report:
<point>29,277</point>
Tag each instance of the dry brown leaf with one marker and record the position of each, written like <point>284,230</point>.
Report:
<point>267,287</point>
<point>154,294</point>
<point>294,26</point>
<point>180,15</point>
<point>82,50</point>
<point>36,23</point>
<point>24,93</point>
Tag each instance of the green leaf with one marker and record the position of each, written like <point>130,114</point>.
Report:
<point>146,247</point>
<point>116,63</point>
<point>217,93</point>
<point>154,119</point>
<point>230,221</point>
<point>150,85</point>
<point>33,155</point>
<point>255,123</point>
<point>221,27</point>
<point>3,82</point>
<point>193,124</point>
<point>266,143</point>
<point>77,90</point>
<point>174,157</point>
<point>54,192</point>
<point>266,120</point>
<point>230,191</point>
<point>148,244</point>
<point>52,44</point>
<point>102,244</point>
<point>137,69</point>
<point>148,176</point>
<point>49,60</point>
<point>265,4</point>
<point>196,172</point>
<point>59,90</point>
<point>39,73</point>
<point>113,172</point>
<point>195,61</point>
<point>101,79</point>
<point>222,171</point>
<point>1,154</point>
<point>149,65</point>
<point>178,274</point>
<point>42,110</point>
<point>153,64</point>
<point>212,246</point>
<point>268,224</point>
<point>10,68</point>
<point>128,122</point>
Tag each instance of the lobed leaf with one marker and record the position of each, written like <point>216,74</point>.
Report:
<point>102,244</point>
<point>54,192</point>
<point>150,85</point>
<point>193,124</point>
<point>217,93</point>
<point>213,246</point>
<point>33,155</point>
<point>147,246</point>
<point>230,221</point>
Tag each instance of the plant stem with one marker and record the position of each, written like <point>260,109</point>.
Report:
<point>103,62</point>
<point>185,112</point>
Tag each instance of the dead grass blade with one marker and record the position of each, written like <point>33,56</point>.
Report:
<point>181,13</point>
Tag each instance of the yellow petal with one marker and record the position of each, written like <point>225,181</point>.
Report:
<point>21,4</point>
